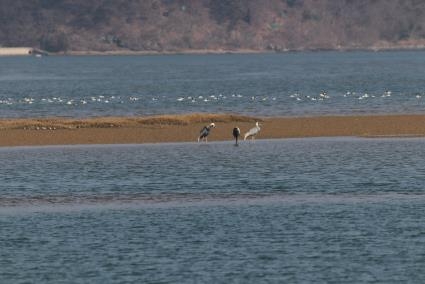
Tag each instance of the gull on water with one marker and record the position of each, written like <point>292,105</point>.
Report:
<point>205,132</point>
<point>236,134</point>
<point>253,131</point>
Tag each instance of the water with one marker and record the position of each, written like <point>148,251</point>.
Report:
<point>324,210</point>
<point>290,84</point>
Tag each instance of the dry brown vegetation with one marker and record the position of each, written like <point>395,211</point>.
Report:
<point>114,122</point>
<point>185,25</point>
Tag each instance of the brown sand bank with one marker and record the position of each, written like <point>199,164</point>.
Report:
<point>185,128</point>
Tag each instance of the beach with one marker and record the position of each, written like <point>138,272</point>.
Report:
<point>185,128</point>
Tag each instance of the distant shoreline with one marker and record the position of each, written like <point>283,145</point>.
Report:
<point>23,51</point>
<point>185,128</point>
<point>177,52</point>
<point>237,51</point>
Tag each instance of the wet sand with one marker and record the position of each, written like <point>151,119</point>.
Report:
<point>185,128</point>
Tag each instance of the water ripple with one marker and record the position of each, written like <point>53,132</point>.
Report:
<point>133,201</point>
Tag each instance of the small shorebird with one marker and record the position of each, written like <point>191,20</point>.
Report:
<point>253,131</point>
<point>236,134</point>
<point>205,132</point>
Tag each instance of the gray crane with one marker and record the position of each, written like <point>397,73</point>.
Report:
<point>205,132</point>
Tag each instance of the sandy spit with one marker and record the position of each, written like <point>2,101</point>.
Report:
<point>185,128</point>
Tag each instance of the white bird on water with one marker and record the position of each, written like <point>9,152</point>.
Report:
<point>253,131</point>
<point>205,132</point>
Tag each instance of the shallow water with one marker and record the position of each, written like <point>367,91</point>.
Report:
<point>318,83</point>
<point>340,210</point>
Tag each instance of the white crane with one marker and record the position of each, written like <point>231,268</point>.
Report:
<point>253,131</point>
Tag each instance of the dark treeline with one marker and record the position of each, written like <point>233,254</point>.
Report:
<point>173,25</point>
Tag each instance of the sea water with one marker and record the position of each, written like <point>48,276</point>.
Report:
<point>322,210</point>
<point>315,83</point>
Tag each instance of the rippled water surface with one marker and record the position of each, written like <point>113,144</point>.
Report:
<point>340,210</point>
<point>260,84</point>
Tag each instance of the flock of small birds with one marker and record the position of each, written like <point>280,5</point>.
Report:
<point>236,132</point>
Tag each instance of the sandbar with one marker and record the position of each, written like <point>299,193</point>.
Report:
<point>186,127</point>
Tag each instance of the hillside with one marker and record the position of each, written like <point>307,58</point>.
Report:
<point>184,25</point>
